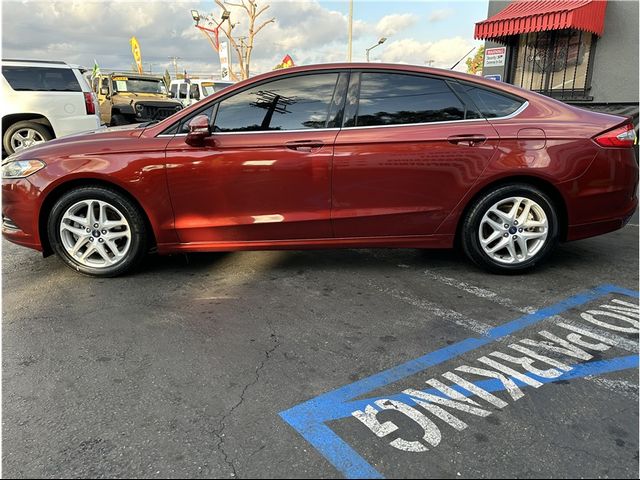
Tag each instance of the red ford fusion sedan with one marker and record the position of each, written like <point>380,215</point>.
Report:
<point>337,155</point>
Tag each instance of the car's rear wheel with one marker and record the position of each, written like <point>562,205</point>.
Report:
<point>97,231</point>
<point>510,229</point>
<point>23,135</point>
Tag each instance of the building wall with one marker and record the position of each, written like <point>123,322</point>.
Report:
<point>615,65</point>
<point>495,6</point>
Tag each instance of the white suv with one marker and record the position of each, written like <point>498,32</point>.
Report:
<point>42,100</point>
<point>194,90</point>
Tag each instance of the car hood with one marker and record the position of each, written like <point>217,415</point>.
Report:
<point>85,142</point>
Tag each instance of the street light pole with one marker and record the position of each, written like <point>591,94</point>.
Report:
<point>174,60</point>
<point>212,33</point>
<point>350,39</point>
<point>380,42</point>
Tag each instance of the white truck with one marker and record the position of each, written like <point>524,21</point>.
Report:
<point>193,90</point>
<point>44,100</point>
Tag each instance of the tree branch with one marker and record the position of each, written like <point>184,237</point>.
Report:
<point>260,27</point>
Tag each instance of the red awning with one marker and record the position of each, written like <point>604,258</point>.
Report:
<point>525,16</point>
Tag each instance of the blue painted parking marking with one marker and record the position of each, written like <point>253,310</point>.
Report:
<point>309,418</point>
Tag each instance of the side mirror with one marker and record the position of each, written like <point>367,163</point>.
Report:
<point>199,129</point>
<point>104,91</point>
<point>171,94</point>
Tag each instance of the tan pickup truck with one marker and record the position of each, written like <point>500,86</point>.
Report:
<point>126,98</point>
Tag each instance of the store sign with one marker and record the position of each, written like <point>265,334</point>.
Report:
<point>495,57</point>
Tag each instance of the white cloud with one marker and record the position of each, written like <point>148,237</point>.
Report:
<point>444,53</point>
<point>440,14</point>
<point>79,31</point>
<point>392,24</point>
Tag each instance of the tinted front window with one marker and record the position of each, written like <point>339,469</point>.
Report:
<point>41,79</point>
<point>394,99</point>
<point>492,104</point>
<point>293,103</point>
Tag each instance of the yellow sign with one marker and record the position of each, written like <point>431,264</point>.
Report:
<point>124,79</point>
<point>137,56</point>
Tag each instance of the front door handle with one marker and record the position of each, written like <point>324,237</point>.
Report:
<point>470,140</point>
<point>305,145</point>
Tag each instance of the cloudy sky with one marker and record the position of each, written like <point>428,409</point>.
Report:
<point>311,31</point>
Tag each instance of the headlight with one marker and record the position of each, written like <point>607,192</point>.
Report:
<point>21,168</point>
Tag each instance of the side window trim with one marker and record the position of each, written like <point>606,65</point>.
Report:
<point>355,83</point>
<point>523,102</point>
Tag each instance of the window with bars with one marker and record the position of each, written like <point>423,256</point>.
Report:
<point>555,63</point>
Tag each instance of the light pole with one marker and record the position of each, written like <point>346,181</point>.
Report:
<point>350,35</point>
<point>212,33</point>
<point>174,60</point>
<point>380,42</point>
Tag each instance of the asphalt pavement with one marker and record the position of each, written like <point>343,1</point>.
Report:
<point>298,363</point>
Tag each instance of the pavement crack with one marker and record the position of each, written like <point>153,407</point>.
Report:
<point>219,432</point>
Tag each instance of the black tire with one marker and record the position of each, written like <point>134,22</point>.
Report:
<point>118,119</point>
<point>469,234</point>
<point>42,130</point>
<point>129,210</point>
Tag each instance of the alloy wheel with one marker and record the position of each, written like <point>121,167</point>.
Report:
<point>25,138</point>
<point>513,230</point>
<point>95,234</point>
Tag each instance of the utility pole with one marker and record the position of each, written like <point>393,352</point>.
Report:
<point>174,60</point>
<point>350,38</point>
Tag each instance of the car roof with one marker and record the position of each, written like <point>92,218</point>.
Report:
<point>390,67</point>
<point>134,75</point>
<point>35,63</point>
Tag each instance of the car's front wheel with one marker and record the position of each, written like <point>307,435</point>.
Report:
<point>97,231</point>
<point>510,229</point>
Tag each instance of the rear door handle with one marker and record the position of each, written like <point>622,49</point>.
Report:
<point>305,145</point>
<point>470,140</point>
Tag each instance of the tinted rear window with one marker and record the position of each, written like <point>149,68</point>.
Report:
<point>396,99</point>
<point>491,103</point>
<point>41,79</point>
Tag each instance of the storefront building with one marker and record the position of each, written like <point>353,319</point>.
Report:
<point>583,52</point>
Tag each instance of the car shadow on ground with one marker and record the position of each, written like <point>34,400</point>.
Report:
<point>567,256</point>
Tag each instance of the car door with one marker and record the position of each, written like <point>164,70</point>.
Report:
<point>409,150</point>
<point>265,173</point>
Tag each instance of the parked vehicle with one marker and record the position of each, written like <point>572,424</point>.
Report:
<point>44,100</point>
<point>193,90</point>
<point>127,98</point>
<point>342,155</point>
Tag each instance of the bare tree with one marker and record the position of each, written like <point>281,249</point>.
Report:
<point>243,46</point>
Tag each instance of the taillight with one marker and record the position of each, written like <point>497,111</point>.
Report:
<point>89,104</point>
<point>618,137</point>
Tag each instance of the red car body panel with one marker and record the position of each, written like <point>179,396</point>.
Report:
<point>391,186</point>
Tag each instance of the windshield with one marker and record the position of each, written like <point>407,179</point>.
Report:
<point>207,89</point>
<point>138,85</point>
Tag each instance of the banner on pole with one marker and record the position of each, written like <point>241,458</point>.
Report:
<point>223,52</point>
<point>135,50</point>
